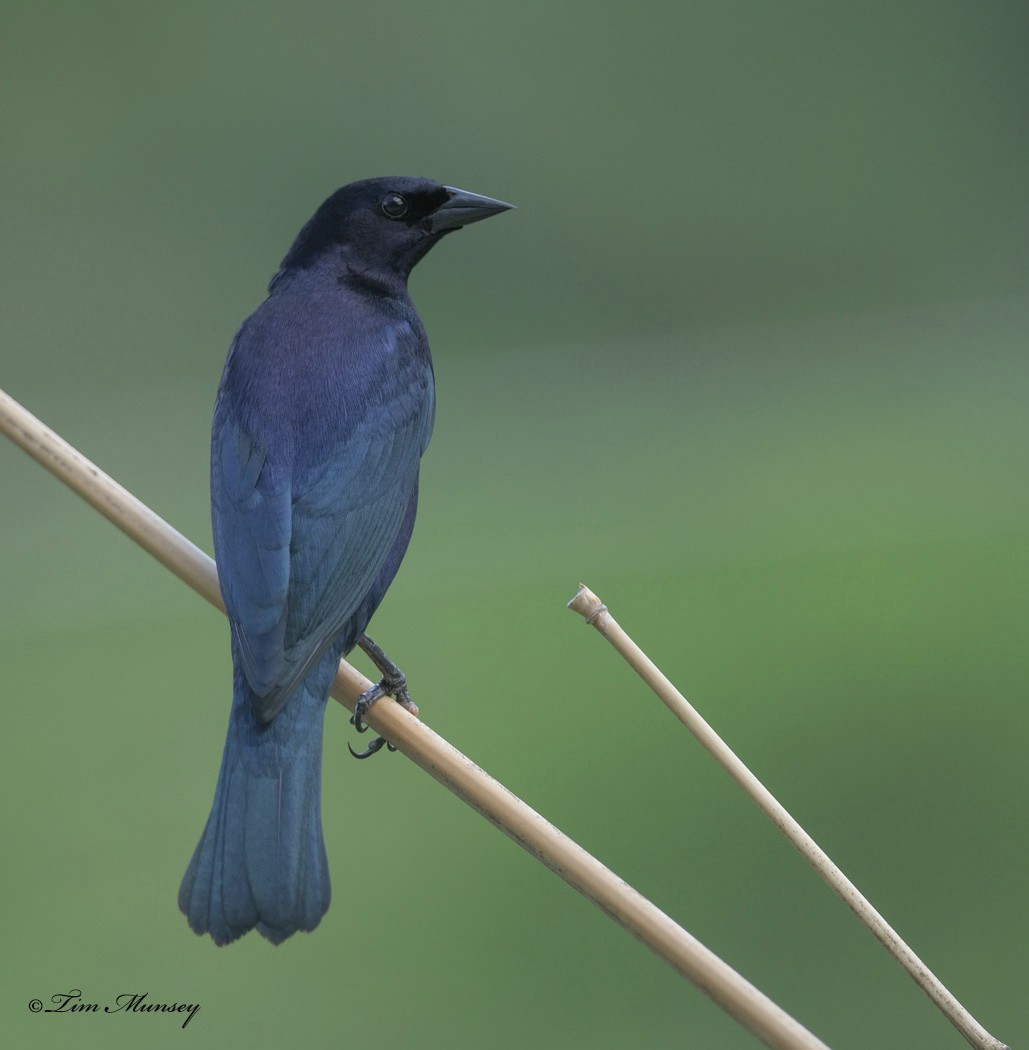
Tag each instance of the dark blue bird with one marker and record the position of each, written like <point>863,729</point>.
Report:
<point>324,410</point>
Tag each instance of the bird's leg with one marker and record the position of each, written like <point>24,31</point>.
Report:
<point>393,683</point>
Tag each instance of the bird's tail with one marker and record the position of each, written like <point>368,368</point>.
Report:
<point>261,859</point>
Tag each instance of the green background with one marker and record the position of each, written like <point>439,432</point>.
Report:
<point>750,359</point>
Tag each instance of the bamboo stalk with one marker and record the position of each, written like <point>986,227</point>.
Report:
<point>590,607</point>
<point>584,873</point>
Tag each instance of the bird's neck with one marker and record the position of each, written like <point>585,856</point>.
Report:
<point>338,270</point>
<point>369,283</point>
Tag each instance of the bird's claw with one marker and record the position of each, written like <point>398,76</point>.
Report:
<point>364,703</point>
<point>393,683</point>
<point>386,687</point>
<point>374,747</point>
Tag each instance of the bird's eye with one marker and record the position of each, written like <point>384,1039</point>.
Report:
<point>393,206</point>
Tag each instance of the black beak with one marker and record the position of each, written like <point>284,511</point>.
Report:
<point>462,208</point>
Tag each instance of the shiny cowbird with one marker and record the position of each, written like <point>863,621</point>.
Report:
<point>324,410</point>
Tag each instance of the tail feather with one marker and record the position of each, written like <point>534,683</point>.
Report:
<point>261,859</point>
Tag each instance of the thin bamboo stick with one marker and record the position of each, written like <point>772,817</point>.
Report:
<point>683,952</point>
<point>590,607</point>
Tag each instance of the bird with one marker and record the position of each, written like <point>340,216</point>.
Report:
<point>325,407</point>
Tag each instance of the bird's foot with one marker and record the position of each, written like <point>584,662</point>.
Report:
<point>385,687</point>
<point>393,683</point>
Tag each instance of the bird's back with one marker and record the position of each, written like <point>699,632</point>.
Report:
<point>325,408</point>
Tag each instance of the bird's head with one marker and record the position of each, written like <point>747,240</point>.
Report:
<point>382,227</point>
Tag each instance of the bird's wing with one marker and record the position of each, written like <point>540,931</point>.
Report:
<point>250,504</point>
<point>298,553</point>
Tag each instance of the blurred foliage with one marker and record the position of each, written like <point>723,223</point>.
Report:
<point>750,359</point>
